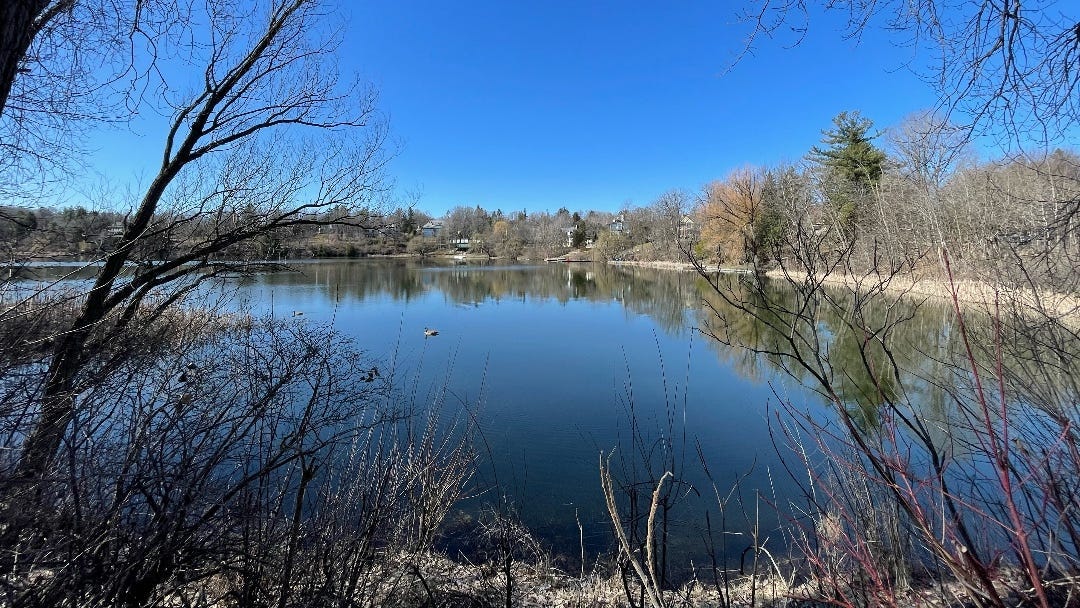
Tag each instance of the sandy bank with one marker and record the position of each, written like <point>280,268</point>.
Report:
<point>970,294</point>
<point>680,266</point>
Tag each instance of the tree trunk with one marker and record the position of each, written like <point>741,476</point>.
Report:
<point>20,21</point>
<point>58,396</point>
<point>58,400</point>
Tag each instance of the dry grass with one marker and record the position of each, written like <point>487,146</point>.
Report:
<point>659,264</point>
<point>30,325</point>
<point>974,294</point>
<point>435,579</point>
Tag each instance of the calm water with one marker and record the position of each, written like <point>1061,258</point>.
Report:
<point>557,364</point>
<point>554,362</point>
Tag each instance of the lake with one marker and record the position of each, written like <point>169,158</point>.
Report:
<point>552,367</point>
<point>557,364</point>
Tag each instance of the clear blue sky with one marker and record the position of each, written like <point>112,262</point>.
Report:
<point>537,105</point>
<point>590,105</point>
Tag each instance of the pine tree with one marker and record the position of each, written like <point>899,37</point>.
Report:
<point>851,156</point>
<point>853,164</point>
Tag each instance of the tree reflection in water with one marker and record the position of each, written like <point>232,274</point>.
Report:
<point>551,347</point>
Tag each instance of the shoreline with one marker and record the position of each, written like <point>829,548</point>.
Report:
<point>970,294</point>
<point>680,266</point>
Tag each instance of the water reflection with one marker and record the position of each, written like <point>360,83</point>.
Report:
<point>553,360</point>
<point>868,352</point>
<point>556,358</point>
<point>664,296</point>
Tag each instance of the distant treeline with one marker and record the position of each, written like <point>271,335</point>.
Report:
<point>927,190</point>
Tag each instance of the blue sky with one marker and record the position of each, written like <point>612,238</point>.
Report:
<point>590,105</point>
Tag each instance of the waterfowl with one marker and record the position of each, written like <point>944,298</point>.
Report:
<point>428,332</point>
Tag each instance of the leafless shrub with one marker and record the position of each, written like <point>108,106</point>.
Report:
<point>259,465</point>
<point>644,483</point>
<point>956,434</point>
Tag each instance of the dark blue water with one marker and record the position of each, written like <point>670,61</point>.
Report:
<point>557,364</point>
<point>550,367</point>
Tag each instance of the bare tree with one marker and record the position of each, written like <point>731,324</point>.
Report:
<point>465,222</point>
<point>268,140</point>
<point>68,66</point>
<point>730,212</point>
<point>545,233</point>
<point>962,410</point>
<point>667,213</point>
<point>23,21</point>
<point>926,152</point>
<point>1002,68</point>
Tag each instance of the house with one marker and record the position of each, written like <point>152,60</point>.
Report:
<point>688,229</point>
<point>617,225</point>
<point>570,237</point>
<point>434,228</point>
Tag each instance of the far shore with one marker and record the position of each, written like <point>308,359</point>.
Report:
<point>970,294</point>
<point>682,266</point>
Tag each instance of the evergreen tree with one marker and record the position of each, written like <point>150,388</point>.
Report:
<point>409,224</point>
<point>852,162</point>
<point>770,225</point>
<point>580,234</point>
